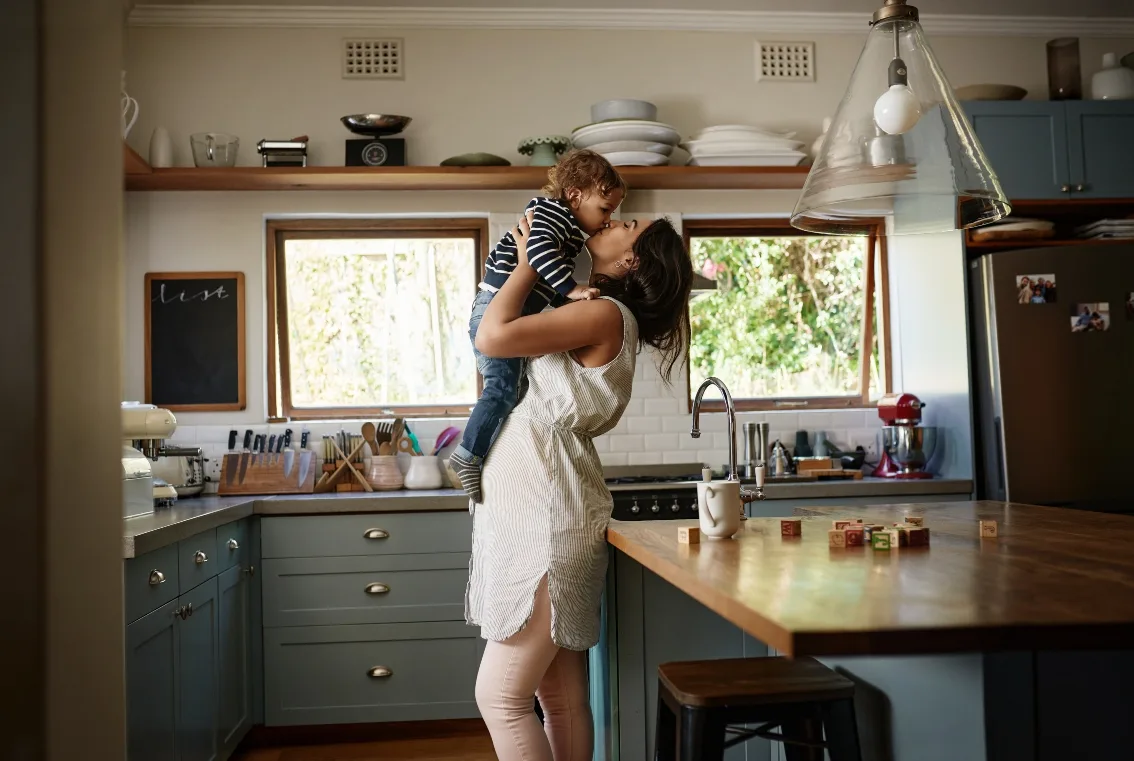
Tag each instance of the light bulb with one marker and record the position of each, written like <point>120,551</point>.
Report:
<point>897,110</point>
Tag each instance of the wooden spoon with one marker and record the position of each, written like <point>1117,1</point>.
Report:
<point>368,431</point>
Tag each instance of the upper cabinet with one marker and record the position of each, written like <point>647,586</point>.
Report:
<point>1054,149</point>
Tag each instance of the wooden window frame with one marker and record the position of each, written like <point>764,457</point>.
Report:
<point>877,273</point>
<point>278,232</point>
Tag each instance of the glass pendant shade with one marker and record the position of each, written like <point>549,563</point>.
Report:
<point>899,153</point>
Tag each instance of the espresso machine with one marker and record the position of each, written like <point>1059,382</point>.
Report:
<point>144,429</point>
<point>906,444</point>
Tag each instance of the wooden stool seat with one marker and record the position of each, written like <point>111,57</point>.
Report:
<point>753,681</point>
<point>706,707</point>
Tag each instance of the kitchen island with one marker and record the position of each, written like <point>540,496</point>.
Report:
<point>1008,648</point>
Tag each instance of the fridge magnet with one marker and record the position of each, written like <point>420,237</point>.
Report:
<point>1036,289</point>
<point>1087,318</point>
<point>1130,306</point>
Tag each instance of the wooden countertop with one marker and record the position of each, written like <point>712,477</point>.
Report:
<point>1053,579</point>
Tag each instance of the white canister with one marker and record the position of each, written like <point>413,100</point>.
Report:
<point>718,508</point>
<point>424,473</point>
<point>161,148</point>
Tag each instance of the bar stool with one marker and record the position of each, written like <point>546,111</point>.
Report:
<point>699,700</point>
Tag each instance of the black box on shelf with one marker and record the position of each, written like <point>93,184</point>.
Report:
<point>373,151</point>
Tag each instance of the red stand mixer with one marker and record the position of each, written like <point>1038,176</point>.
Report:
<point>906,444</point>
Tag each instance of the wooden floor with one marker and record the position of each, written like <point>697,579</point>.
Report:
<point>450,742</point>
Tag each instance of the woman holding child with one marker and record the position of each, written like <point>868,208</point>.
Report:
<point>539,535</point>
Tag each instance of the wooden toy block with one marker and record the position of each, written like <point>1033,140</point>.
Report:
<point>837,537</point>
<point>840,525</point>
<point>899,537</point>
<point>918,536</point>
<point>688,535</point>
<point>791,527</point>
<point>988,529</point>
<point>856,536</point>
<point>880,540</point>
<point>915,520</point>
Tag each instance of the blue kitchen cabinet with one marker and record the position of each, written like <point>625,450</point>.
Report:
<point>190,662</point>
<point>234,672</point>
<point>151,685</point>
<point>1100,135</point>
<point>197,651</point>
<point>1058,149</point>
<point>1026,143</point>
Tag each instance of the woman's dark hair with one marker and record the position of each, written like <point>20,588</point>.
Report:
<point>657,292</point>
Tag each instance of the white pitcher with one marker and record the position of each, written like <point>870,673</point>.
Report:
<point>718,508</point>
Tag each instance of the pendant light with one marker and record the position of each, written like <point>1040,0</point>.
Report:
<point>900,152</point>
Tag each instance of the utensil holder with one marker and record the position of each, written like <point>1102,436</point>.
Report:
<point>384,473</point>
<point>424,473</point>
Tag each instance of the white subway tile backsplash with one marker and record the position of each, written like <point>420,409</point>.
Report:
<point>674,458</point>
<point>677,424</point>
<point>645,425</point>
<point>634,409</point>
<point>627,443</point>
<point>690,444</point>
<point>615,458</point>
<point>663,442</point>
<point>645,458</point>
<point>661,408</point>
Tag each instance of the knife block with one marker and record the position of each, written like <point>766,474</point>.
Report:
<point>265,473</point>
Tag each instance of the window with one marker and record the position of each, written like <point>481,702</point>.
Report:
<point>796,321</point>
<point>370,317</point>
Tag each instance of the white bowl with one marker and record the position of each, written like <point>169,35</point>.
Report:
<point>765,159</point>
<point>636,158</point>
<point>740,132</point>
<point>646,131</point>
<point>632,145</point>
<point>736,147</point>
<point>624,108</point>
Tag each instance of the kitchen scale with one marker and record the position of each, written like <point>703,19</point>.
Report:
<point>379,147</point>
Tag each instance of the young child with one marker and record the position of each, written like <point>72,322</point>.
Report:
<point>582,191</point>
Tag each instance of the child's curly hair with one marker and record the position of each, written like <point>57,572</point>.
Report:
<point>583,170</point>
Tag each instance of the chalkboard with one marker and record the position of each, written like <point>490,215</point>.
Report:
<point>195,341</point>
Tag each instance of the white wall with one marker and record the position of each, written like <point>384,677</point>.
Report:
<point>485,90</point>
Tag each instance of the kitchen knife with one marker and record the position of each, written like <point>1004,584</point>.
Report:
<point>272,449</point>
<point>257,448</point>
<point>288,461</point>
<point>231,459</point>
<point>244,457</point>
<point>287,439</point>
<point>248,440</point>
<point>303,439</point>
<point>305,457</point>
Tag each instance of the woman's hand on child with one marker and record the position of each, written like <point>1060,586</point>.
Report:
<point>520,235</point>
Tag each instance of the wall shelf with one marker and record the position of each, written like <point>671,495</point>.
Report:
<point>453,178</point>
<point>1045,242</point>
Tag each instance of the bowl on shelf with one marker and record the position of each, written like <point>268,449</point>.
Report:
<point>664,149</point>
<point>624,108</point>
<point>629,129</point>
<point>375,125</point>
<point>476,159</point>
<point>990,92</point>
<point>544,150</point>
<point>636,158</point>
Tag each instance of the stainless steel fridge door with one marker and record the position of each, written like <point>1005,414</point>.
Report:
<point>1054,409</point>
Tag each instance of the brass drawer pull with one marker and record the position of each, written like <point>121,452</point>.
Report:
<point>377,589</point>
<point>379,672</point>
<point>376,533</point>
<point>233,545</point>
<point>200,558</point>
<point>156,577</point>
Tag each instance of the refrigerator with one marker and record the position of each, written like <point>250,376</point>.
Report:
<point>1053,375</point>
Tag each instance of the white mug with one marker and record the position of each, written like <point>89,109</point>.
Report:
<point>718,508</point>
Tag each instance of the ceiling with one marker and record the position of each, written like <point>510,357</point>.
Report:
<point>1083,8</point>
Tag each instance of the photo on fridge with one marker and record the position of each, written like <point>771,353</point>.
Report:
<point>1088,318</point>
<point>1036,289</point>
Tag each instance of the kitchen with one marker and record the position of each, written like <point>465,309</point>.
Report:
<point>178,88</point>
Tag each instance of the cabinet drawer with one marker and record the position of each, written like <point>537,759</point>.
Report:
<point>323,674</point>
<point>150,581</point>
<point>232,545</point>
<point>194,568</point>
<point>365,589</point>
<point>369,534</point>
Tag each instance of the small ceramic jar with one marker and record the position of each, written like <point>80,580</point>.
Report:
<point>384,473</point>
<point>424,473</point>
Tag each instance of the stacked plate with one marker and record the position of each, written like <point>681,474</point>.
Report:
<point>628,142</point>
<point>1112,229</point>
<point>741,145</point>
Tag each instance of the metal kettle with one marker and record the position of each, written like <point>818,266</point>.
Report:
<point>778,464</point>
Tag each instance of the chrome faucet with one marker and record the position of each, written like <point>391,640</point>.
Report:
<point>730,408</point>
